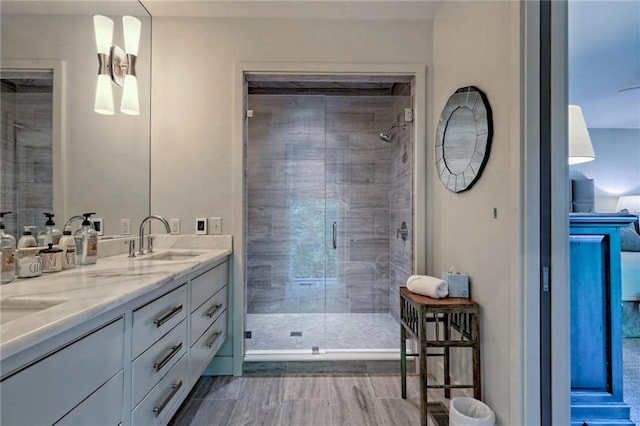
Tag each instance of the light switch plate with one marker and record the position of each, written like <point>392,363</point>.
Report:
<point>201,226</point>
<point>175,225</point>
<point>125,226</point>
<point>215,225</point>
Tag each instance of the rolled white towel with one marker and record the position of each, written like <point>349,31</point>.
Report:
<point>428,286</point>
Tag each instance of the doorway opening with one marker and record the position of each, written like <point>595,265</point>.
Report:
<point>330,213</point>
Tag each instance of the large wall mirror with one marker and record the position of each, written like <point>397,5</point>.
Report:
<point>57,153</point>
<point>463,139</point>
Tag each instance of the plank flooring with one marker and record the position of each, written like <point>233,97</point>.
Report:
<point>302,400</point>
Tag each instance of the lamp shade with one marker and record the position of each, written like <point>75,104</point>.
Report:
<point>629,202</point>
<point>580,148</point>
<point>104,95</point>
<point>129,103</point>
<point>103,28</point>
<point>131,27</point>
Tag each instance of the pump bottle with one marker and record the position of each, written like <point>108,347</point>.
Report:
<point>68,245</point>
<point>27,239</point>
<point>50,234</point>
<point>86,242</point>
<point>7,258</point>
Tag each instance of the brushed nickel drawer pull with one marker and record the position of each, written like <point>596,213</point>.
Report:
<point>166,317</point>
<point>174,350</point>
<point>175,388</point>
<point>213,340</point>
<point>214,310</point>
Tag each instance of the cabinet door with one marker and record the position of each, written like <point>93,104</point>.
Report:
<point>208,284</point>
<point>203,351</point>
<point>207,313</point>
<point>154,363</point>
<point>164,399</point>
<point>155,319</point>
<point>59,382</point>
<point>103,407</point>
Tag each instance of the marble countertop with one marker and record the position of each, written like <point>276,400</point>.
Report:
<point>34,309</point>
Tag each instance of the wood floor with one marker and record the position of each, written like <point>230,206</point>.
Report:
<point>302,400</point>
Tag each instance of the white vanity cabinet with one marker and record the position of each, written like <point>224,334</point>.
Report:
<point>131,364</point>
<point>59,383</point>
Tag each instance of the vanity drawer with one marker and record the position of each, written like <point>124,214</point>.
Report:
<point>156,318</point>
<point>51,387</point>
<point>206,347</point>
<point>104,406</point>
<point>164,399</point>
<point>206,285</point>
<point>207,313</point>
<point>154,363</point>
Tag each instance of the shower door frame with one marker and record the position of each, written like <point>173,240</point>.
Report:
<point>421,167</point>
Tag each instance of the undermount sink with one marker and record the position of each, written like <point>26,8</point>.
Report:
<point>172,255</point>
<point>14,308</point>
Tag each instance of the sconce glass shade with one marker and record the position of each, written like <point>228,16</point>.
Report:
<point>580,148</point>
<point>103,28</point>
<point>129,103</point>
<point>104,95</point>
<point>629,202</point>
<point>131,27</point>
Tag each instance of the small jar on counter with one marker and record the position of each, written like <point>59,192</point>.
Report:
<point>29,263</point>
<point>51,259</point>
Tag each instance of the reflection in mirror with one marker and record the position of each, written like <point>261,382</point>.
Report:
<point>104,160</point>
<point>463,139</point>
<point>26,158</point>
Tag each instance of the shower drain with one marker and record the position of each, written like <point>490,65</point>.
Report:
<point>296,334</point>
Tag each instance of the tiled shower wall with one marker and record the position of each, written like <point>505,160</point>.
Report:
<point>26,168</point>
<point>301,148</point>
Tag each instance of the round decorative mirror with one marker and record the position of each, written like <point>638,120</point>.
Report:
<point>463,139</point>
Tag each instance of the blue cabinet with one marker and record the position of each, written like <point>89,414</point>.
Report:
<point>596,320</point>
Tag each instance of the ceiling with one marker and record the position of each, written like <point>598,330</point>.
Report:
<point>604,38</point>
<point>604,59</point>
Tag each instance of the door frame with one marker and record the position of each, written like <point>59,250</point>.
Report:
<point>239,187</point>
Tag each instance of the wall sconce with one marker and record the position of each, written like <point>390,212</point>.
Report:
<point>580,148</point>
<point>117,66</point>
<point>629,202</point>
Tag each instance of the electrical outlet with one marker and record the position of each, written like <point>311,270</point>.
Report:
<point>98,225</point>
<point>125,226</point>
<point>175,225</point>
<point>408,114</point>
<point>215,225</point>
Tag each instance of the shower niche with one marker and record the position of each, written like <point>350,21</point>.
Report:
<point>326,195</point>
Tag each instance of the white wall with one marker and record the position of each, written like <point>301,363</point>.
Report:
<point>616,169</point>
<point>193,75</point>
<point>477,43</point>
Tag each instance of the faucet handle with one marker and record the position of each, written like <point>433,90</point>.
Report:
<point>150,243</point>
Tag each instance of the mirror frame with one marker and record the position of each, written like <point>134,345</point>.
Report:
<point>476,101</point>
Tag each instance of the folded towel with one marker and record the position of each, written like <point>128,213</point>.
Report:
<point>428,286</point>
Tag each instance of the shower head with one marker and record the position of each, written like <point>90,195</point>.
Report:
<point>387,136</point>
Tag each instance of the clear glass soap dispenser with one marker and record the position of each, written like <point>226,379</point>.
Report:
<point>8,256</point>
<point>86,242</point>
<point>50,234</point>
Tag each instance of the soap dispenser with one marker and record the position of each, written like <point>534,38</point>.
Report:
<point>8,250</point>
<point>68,245</point>
<point>27,239</point>
<point>86,242</point>
<point>50,234</point>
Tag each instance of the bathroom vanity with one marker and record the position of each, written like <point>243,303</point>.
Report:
<point>119,342</point>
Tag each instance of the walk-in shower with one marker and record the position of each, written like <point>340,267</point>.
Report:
<point>325,198</point>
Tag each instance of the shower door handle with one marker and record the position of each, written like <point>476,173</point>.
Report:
<point>335,235</point>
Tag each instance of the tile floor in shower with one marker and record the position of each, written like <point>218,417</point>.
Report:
<point>332,331</point>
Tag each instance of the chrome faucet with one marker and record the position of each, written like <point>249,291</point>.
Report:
<point>72,218</point>
<point>141,232</point>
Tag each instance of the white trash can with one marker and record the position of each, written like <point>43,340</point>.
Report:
<point>470,412</point>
